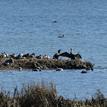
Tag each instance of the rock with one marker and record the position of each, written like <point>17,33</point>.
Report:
<point>9,61</point>
<point>59,69</point>
<point>20,68</point>
<point>83,71</point>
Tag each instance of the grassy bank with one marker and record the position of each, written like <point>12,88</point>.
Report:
<point>42,95</point>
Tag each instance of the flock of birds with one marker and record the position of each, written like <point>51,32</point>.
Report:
<point>32,55</point>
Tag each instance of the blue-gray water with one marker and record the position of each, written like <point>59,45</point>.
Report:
<point>28,26</point>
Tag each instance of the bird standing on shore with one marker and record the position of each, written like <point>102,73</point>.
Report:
<point>59,51</point>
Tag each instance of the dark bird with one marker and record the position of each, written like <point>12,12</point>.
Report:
<point>61,36</point>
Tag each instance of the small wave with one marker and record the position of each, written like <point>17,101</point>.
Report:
<point>100,67</point>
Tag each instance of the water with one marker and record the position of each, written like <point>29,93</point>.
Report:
<point>27,26</point>
<point>70,84</point>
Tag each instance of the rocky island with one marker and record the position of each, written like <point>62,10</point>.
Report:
<point>43,62</point>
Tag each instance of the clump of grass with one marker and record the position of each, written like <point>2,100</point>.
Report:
<point>45,95</point>
<point>40,95</point>
<point>37,96</point>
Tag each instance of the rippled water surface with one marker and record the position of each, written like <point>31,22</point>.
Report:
<point>28,26</point>
<point>71,84</point>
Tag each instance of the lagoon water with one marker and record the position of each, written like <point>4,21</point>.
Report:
<point>34,26</point>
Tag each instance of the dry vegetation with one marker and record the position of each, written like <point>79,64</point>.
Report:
<point>42,95</point>
<point>34,63</point>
